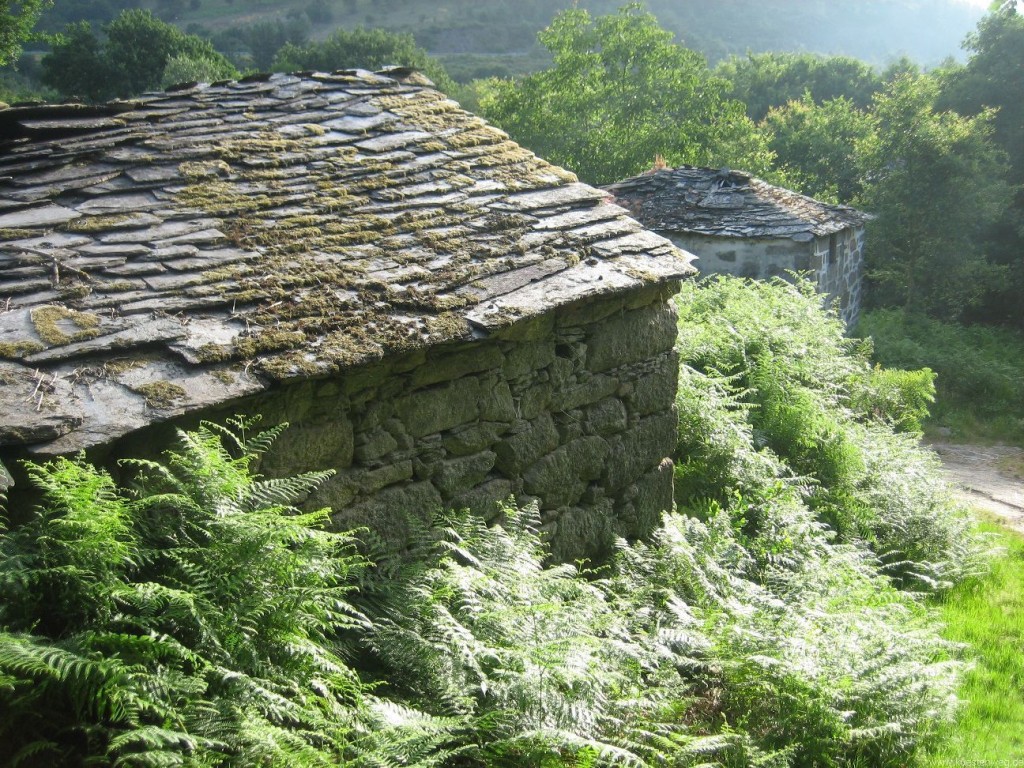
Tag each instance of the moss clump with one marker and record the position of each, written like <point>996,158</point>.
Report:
<point>11,233</point>
<point>204,169</point>
<point>213,353</point>
<point>223,198</point>
<point>311,220</point>
<point>268,341</point>
<point>426,109</point>
<point>264,144</point>
<point>225,377</point>
<point>80,291</point>
<point>98,223</point>
<point>16,350</point>
<point>477,136</point>
<point>161,394</point>
<point>48,320</point>
<point>251,346</point>
<point>447,325</point>
<point>120,286</point>
<point>289,365</point>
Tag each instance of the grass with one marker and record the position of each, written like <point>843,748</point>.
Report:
<point>988,615</point>
<point>1012,466</point>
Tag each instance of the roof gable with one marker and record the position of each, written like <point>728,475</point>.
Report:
<point>726,203</point>
<point>189,247</point>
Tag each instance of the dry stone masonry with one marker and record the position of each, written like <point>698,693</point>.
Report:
<point>444,318</point>
<point>740,225</point>
<point>573,410</point>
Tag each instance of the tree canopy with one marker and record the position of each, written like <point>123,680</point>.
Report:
<point>130,59</point>
<point>620,92</point>
<point>993,78</point>
<point>17,20</point>
<point>936,182</point>
<point>362,48</point>
<point>816,145</point>
<point>766,80</point>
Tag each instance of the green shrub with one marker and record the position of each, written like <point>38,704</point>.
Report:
<point>773,393</point>
<point>894,396</point>
<point>979,371</point>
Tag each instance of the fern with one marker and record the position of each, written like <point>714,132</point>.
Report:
<point>773,395</point>
<point>191,622</point>
<point>542,665</point>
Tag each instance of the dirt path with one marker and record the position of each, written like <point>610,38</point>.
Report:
<point>990,477</point>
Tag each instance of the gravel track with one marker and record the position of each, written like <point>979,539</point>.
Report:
<point>984,477</point>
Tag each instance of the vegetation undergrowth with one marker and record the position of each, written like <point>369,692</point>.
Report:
<point>774,399</point>
<point>988,615</point>
<point>780,618</point>
<point>195,621</point>
<point>979,370</point>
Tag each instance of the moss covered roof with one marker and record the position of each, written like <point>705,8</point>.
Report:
<point>203,243</point>
<point>726,203</point>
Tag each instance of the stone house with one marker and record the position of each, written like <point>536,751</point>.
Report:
<point>443,318</point>
<point>739,225</point>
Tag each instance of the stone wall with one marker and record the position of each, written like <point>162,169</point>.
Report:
<point>574,410</point>
<point>836,261</point>
<point>839,263</point>
<point>758,259</point>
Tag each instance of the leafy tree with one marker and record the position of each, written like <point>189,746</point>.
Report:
<point>816,145</point>
<point>766,80</point>
<point>182,68</point>
<point>621,92</point>
<point>17,20</point>
<point>936,184</point>
<point>255,45</point>
<point>362,48</point>
<point>130,60</point>
<point>993,78</point>
<point>77,65</point>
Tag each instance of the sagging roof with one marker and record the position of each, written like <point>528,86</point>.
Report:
<point>726,203</point>
<point>187,248</point>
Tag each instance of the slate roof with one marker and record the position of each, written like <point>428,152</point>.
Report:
<point>187,248</point>
<point>727,203</point>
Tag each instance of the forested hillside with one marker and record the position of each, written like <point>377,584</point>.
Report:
<point>491,37</point>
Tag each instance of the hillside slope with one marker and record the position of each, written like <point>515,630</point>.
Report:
<point>463,31</point>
